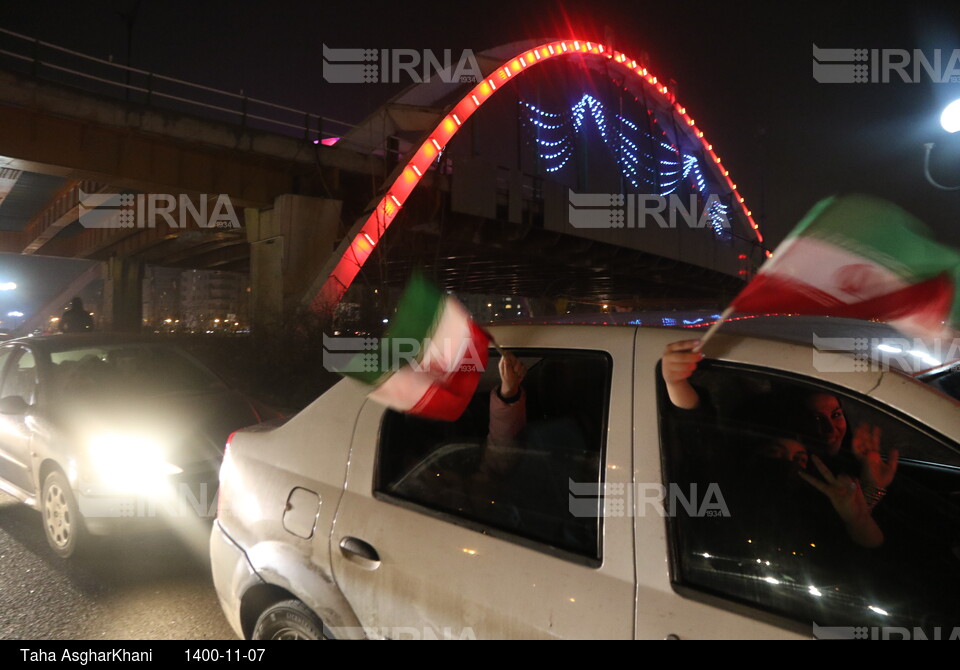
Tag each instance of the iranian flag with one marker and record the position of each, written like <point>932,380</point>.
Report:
<point>431,360</point>
<point>864,258</point>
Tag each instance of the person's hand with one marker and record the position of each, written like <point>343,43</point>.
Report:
<point>843,491</point>
<point>680,361</point>
<point>677,364</point>
<point>512,372</point>
<point>848,501</point>
<point>874,471</point>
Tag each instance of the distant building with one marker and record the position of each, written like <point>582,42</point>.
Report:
<point>195,300</point>
<point>214,301</point>
<point>161,296</point>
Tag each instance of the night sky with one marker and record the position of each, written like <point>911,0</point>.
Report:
<point>743,71</point>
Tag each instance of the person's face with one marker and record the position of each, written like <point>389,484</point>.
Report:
<point>788,450</point>
<point>830,423</point>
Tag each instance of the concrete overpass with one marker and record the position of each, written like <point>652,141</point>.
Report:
<point>59,141</point>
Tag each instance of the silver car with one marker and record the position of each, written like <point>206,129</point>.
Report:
<point>614,514</point>
<point>104,434</point>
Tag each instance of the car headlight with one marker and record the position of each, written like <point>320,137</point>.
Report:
<point>129,463</point>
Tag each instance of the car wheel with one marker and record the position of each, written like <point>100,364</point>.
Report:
<point>62,522</point>
<point>288,620</point>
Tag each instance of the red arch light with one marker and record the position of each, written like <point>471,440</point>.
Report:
<point>369,235</point>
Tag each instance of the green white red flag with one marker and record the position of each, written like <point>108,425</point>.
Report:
<point>864,258</point>
<point>430,362</point>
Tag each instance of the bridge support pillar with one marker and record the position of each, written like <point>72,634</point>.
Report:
<point>289,243</point>
<point>122,294</point>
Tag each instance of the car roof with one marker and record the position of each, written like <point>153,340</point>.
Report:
<point>880,342</point>
<point>67,341</point>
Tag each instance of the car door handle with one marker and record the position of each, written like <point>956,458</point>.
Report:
<point>359,552</point>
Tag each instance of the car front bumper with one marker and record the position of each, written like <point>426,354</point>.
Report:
<point>182,500</point>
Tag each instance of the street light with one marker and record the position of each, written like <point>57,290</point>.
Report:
<point>950,121</point>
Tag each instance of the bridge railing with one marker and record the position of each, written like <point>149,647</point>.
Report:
<point>96,75</point>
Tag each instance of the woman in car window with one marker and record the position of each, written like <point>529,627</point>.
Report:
<point>854,475</point>
<point>855,453</point>
<point>819,415</point>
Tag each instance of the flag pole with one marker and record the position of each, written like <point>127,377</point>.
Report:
<point>713,329</point>
<point>493,342</point>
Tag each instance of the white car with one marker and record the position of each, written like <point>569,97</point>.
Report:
<point>613,514</point>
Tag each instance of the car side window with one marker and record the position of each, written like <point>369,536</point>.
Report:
<point>21,378</point>
<point>507,468</point>
<point>821,523</point>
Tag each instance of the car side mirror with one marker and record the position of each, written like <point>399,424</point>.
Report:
<point>13,404</point>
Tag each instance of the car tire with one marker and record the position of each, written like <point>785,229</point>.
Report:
<point>288,620</point>
<point>62,522</point>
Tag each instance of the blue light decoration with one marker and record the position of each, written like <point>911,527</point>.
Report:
<point>664,173</point>
<point>562,148</point>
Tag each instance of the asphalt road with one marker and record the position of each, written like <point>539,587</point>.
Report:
<point>147,587</point>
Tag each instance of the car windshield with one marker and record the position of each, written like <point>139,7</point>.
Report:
<point>130,368</point>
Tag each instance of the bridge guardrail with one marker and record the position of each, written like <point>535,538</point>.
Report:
<point>64,66</point>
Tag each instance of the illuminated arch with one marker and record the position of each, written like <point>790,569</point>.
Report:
<point>366,233</point>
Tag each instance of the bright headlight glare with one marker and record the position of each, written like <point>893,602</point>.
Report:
<point>950,117</point>
<point>129,462</point>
